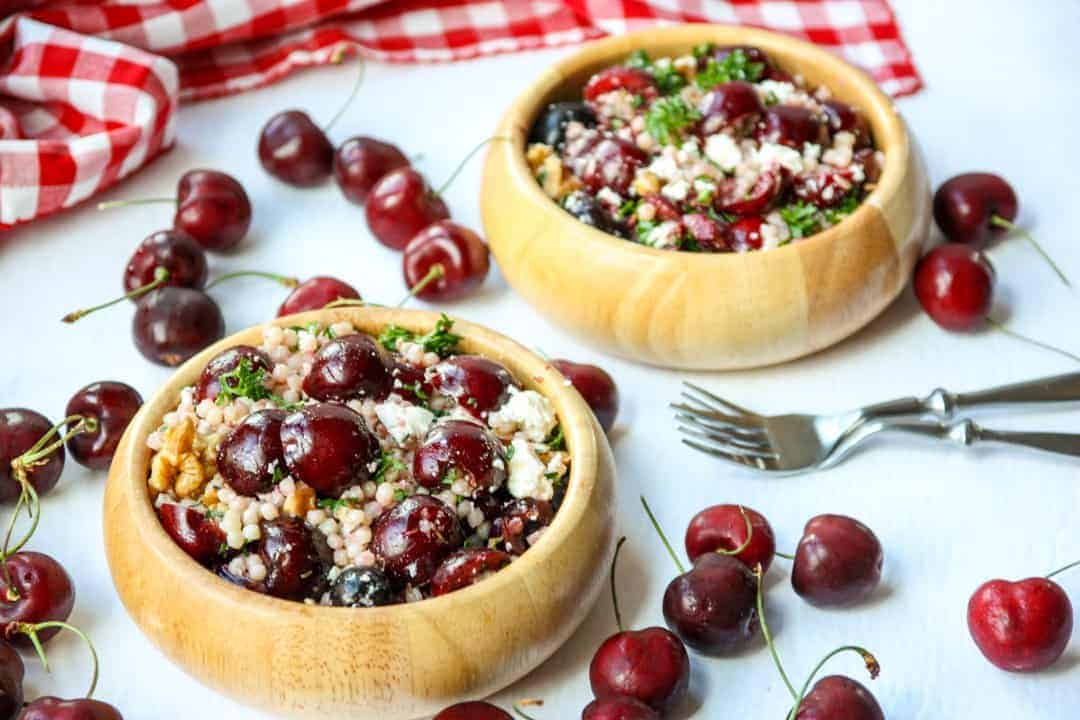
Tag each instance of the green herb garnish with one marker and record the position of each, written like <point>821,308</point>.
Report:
<point>387,463</point>
<point>638,59</point>
<point>392,334</point>
<point>245,380</point>
<point>333,504</point>
<point>450,477</point>
<point>556,441</point>
<point>628,208</point>
<point>736,66</point>
<point>667,117</point>
<point>841,211</point>
<point>801,218</point>
<point>440,340</point>
<point>703,50</point>
<point>668,79</point>
<point>642,230</point>
<point>399,495</point>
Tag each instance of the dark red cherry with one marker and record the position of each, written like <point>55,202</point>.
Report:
<point>11,682</point>
<point>596,387</point>
<point>825,187</point>
<point>766,190</point>
<point>329,447</point>
<point>254,360</point>
<point>467,567</point>
<point>459,254</point>
<point>839,698</point>
<point>618,708</point>
<point>40,590</point>
<point>709,234</point>
<point>744,234</point>
<point>723,527</point>
<point>362,587</point>
<point>251,458</point>
<point>665,209</point>
<point>473,710</point>
<point>112,405</point>
<point>842,116</point>
<point>401,205</point>
<point>213,208</point>
<point>792,125</point>
<point>965,205</point>
<point>838,561</point>
<point>609,162</point>
<point>753,54</point>
<point>20,429</point>
<point>410,381</point>
<point>954,283</point>
<point>173,250</point>
<point>479,385</point>
<point>649,665</point>
<point>633,80</point>
<point>1020,626</point>
<point>296,558</point>
<point>295,150</point>
<point>460,450</point>
<point>518,519</point>
<point>171,324</point>
<point>734,105</point>
<point>712,608</point>
<point>360,162</point>
<point>315,294</point>
<point>197,535</point>
<point>53,708</point>
<point>550,127</point>
<point>412,539</point>
<point>353,366</point>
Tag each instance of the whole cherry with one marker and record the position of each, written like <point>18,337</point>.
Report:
<point>11,682</point>
<point>250,458</point>
<point>174,250</point>
<point>724,527</point>
<point>518,519</point>
<point>597,388</point>
<point>618,708</point>
<point>400,205</point>
<point>467,567</point>
<point>744,234</point>
<point>837,696</point>
<point>53,708</point>
<point>633,80</point>
<point>837,563</point>
<point>329,447</point>
<point>412,539</point>
<point>462,452</point>
<point>296,558</point>
<point>34,588</point>
<point>20,430</point>
<point>360,162</point>
<point>196,534</point>
<point>477,383</point>
<point>112,405</point>
<point>473,710</point>
<point>362,587</point>
<point>171,324</point>
<point>353,366</point>
<point>445,261</point>
<point>954,283</point>
<point>227,366</point>
<point>315,294</point>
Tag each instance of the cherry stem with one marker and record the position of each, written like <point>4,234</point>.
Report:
<point>663,537</point>
<point>749,536</point>
<point>998,221</point>
<point>1030,341</point>
<point>461,166</point>
<point>614,593</point>
<point>31,630</point>
<point>768,636</point>
<point>526,703</point>
<point>346,302</point>
<point>161,276</point>
<point>289,282</point>
<point>437,272</point>
<point>1060,570</point>
<point>871,662</point>
<point>777,553</point>
<point>144,201</point>
<point>337,58</point>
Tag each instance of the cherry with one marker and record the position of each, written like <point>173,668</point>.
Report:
<point>744,234</point>
<point>618,708</point>
<point>410,381</point>
<point>11,682</point>
<point>709,234</point>
<point>34,588</point>
<point>587,209</point>
<point>721,52</point>
<point>197,535</point>
<point>768,187</point>
<point>460,450</point>
<point>518,519</point>
<point>296,557</point>
<point>1021,626</point>
<point>360,162</point>
<point>400,205</point>
<point>212,208</point>
<point>473,710</point>
<point>173,250</point>
<point>445,261</point>
<point>467,567</point>
<point>711,607</point>
<point>53,708</point>
<point>250,458</point>
<point>295,150</point>
<point>792,125</point>
<point>20,430</point>
<point>954,283</point>
<point>838,561</point>
<point>362,587</point>
<point>605,161</point>
<point>353,366</point>
<point>329,447</point>
<point>315,294</point>
<point>412,539</point>
<point>550,127</point>
<point>597,388</point>
<point>665,209</point>
<point>734,105</point>
<point>171,324</point>
<point>649,665</point>
<point>254,360</point>
<point>633,80</point>
<point>478,384</point>
<point>723,527</point>
<point>112,405</point>
<point>836,697</point>
<point>843,117</point>
<point>825,187</point>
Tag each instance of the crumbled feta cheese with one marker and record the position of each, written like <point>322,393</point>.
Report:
<point>609,197</point>
<point>527,477</point>
<point>664,166</point>
<point>723,151</point>
<point>842,150</point>
<point>705,186</point>
<point>774,232</point>
<point>692,148</point>
<point>665,236</point>
<point>403,420</point>
<point>811,155</point>
<point>781,91</point>
<point>774,154</point>
<point>676,190</point>
<point>526,411</point>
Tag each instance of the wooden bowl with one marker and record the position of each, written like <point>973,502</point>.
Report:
<point>393,663</point>
<point>707,311</point>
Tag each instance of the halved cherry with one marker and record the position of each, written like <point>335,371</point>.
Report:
<point>766,189</point>
<point>197,535</point>
<point>633,80</point>
<point>467,567</point>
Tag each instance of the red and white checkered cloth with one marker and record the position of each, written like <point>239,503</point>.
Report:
<point>81,105</point>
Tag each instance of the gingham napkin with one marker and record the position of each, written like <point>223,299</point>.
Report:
<point>81,106</point>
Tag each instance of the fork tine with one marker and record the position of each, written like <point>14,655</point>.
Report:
<point>719,400</point>
<point>736,446</point>
<point>756,435</point>
<point>755,463</point>
<point>743,423</point>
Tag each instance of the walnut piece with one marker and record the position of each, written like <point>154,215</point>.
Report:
<point>162,474</point>
<point>646,183</point>
<point>300,502</point>
<point>192,477</point>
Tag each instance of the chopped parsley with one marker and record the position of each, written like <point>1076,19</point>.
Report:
<point>668,79</point>
<point>667,117</point>
<point>637,101</point>
<point>643,228</point>
<point>736,66</point>
<point>510,450</point>
<point>440,340</point>
<point>801,218</point>
<point>245,380</point>
<point>223,549</point>
<point>841,211</point>
<point>399,495</point>
<point>556,441</point>
<point>279,474</point>
<point>639,59</point>
<point>541,177</point>
<point>689,243</point>
<point>392,334</point>
<point>315,329</point>
<point>628,208</point>
<point>387,463</point>
<point>416,389</point>
<point>703,50</point>
<point>450,477</point>
<point>333,504</point>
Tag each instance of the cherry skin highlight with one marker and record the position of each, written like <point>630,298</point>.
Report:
<point>20,429</point>
<point>401,205</point>
<point>213,208</point>
<point>839,698</point>
<point>954,283</point>
<point>295,150</point>
<point>649,665</point>
<point>174,250</point>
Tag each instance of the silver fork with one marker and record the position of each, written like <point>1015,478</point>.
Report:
<point>794,443</point>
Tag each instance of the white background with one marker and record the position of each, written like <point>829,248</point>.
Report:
<point>1001,95</point>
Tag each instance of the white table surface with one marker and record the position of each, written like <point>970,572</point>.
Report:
<point>1000,96</point>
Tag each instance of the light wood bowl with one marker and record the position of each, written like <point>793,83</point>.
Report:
<point>707,311</point>
<point>393,663</point>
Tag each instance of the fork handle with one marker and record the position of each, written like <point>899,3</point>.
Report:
<point>944,404</point>
<point>967,432</point>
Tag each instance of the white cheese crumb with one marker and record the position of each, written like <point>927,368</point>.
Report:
<point>723,151</point>
<point>775,154</point>
<point>527,474</point>
<point>841,152</point>
<point>676,190</point>
<point>664,236</point>
<point>526,411</point>
<point>781,91</point>
<point>609,197</point>
<point>664,166</point>
<point>404,421</point>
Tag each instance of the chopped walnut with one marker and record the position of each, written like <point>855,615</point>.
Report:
<point>537,154</point>
<point>550,172</point>
<point>162,474</point>
<point>191,478</point>
<point>646,183</point>
<point>300,502</point>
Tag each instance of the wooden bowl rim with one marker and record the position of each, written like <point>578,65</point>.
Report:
<point>574,414</point>
<point>893,142</point>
